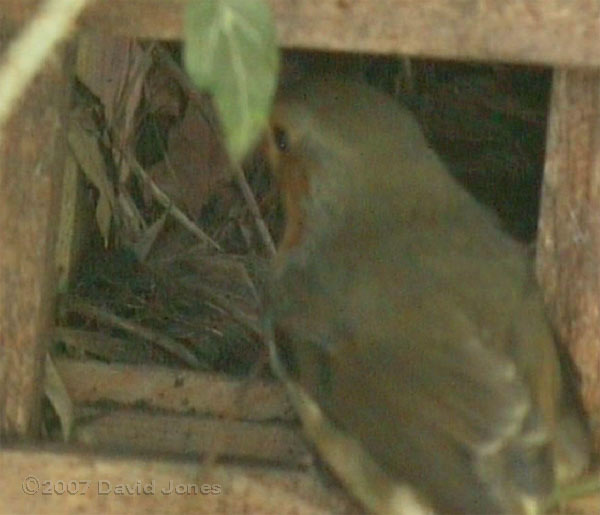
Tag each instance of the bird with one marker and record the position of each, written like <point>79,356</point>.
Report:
<point>406,324</point>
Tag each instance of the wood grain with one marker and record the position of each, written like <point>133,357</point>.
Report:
<point>32,156</point>
<point>533,31</point>
<point>569,232</point>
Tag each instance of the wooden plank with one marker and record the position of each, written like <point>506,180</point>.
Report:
<point>79,483</point>
<point>569,229</point>
<point>529,31</point>
<point>32,154</point>
<point>161,410</point>
<point>154,19</point>
<point>134,431</point>
<point>175,390</point>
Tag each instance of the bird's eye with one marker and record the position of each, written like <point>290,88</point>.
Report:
<point>281,138</point>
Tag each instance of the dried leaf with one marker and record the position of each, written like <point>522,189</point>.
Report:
<point>87,153</point>
<point>59,398</point>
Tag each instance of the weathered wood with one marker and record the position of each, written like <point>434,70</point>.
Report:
<point>134,431</point>
<point>569,230</point>
<point>176,391</point>
<point>32,154</point>
<point>94,484</point>
<point>154,19</point>
<point>532,31</point>
<point>155,410</point>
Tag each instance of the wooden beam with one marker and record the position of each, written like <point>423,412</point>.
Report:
<point>134,431</point>
<point>164,411</point>
<point>177,391</point>
<point>32,156</point>
<point>569,230</point>
<point>528,31</point>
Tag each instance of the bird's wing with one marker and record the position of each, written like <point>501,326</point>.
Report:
<point>404,349</point>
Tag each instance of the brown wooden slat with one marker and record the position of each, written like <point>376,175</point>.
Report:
<point>569,229</point>
<point>540,31</point>
<point>32,156</point>
<point>159,434</point>
<point>178,391</point>
<point>534,31</point>
<point>161,410</point>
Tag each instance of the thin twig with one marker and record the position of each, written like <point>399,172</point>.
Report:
<point>246,320</point>
<point>163,199</point>
<point>85,308</point>
<point>27,54</point>
<point>237,171</point>
<point>261,226</point>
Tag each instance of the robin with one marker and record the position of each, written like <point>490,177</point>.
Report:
<point>409,329</point>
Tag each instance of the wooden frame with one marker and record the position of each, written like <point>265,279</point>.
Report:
<point>556,32</point>
<point>561,33</point>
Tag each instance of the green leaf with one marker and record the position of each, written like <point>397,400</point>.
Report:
<point>231,52</point>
